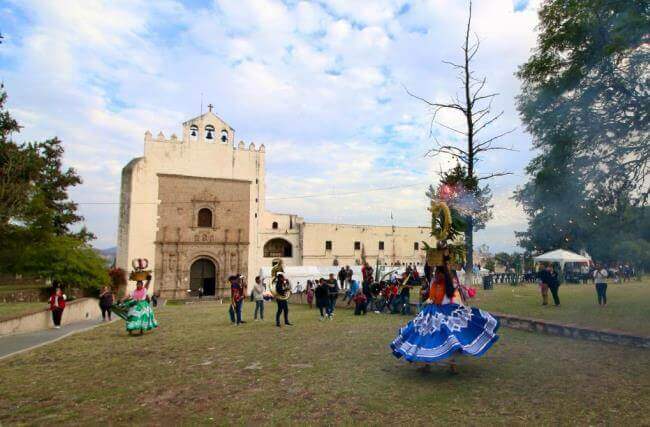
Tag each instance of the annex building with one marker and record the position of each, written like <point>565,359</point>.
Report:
<point>194,207</point>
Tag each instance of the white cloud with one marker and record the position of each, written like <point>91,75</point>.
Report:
<point>319,83</point>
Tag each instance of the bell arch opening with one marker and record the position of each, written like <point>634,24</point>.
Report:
<point>278,248</point>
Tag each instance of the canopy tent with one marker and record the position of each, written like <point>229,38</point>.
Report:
<point>562,256</point>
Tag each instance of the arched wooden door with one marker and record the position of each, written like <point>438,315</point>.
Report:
<point>203,275</point>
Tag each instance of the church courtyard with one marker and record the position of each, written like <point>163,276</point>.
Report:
<point>198,369</point>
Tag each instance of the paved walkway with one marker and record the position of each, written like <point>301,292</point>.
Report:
<point>18,343</point>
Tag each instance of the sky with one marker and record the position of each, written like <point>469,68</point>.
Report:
<point>322,84</point>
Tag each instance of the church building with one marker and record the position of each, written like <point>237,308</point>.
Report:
<point>194,208</point>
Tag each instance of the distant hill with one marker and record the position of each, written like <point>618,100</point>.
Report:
<point>108,254</point>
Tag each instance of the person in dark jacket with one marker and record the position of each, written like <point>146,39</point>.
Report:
<point>105,302</point>
<point>342,276</point>
<point>333,290</point>
<point>323,299</point>
<point>549,281</point>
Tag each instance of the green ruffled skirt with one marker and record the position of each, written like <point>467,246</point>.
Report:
<point>138,315</point>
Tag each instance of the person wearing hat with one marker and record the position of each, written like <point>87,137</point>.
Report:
<point>236,300</point>
<point>135,309</point>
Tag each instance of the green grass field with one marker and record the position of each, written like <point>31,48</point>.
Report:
<point>12,309</point>
<point>627,305</point>
<point>198,369</point>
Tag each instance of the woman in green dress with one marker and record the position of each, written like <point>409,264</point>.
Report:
<point>136,310</point>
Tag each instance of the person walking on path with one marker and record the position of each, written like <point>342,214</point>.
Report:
<point>600,279</point>
<point>57,305</point>
<point>105,302</point>
<point>258,297</point>
<point>323,299</point>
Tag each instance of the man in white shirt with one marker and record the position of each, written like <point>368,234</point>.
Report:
<point>600,278</point>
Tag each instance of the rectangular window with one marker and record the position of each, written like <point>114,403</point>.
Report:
<point>328,245</point>
<point>416,246</point>
<point>381,246</point>
<point>357,246</point>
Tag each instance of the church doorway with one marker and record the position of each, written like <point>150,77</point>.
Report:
<point>203,276</point>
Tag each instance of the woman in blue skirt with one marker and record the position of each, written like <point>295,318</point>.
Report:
<point>445,327</point>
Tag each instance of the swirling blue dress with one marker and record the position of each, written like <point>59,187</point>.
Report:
<point>442,331</point>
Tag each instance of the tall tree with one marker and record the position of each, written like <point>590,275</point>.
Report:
<point>475,106</point>
<point>554,199</point>
<point>588,79</point>
<point>37,218</point>
<point>584,99</point>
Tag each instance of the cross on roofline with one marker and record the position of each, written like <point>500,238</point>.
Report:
<point>210,107</point>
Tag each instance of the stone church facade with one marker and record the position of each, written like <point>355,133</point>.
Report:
<point>194,207</point>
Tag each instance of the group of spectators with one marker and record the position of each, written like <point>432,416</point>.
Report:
<point>368,294</point>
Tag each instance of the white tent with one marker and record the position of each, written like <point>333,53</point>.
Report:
<point>562,257</point>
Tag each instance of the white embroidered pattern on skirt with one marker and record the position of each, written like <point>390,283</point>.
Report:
<point>426,324</point>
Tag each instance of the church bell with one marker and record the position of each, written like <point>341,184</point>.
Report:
<point>209,135</point>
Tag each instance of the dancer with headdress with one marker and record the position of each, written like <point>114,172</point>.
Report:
<point>135,309</point>
<point>445,327</point>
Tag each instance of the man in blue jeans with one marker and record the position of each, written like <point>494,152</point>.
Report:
<point>236,300</point>
<point>333,291</point>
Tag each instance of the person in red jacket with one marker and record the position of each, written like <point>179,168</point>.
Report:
<point>57,305</point>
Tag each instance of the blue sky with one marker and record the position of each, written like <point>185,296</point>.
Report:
<point>320,83</point>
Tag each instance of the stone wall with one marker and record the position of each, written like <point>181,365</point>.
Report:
<point>180,241</point>
<point>541,326</point>
<point>75,311</point>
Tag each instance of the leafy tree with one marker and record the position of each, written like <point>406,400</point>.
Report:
<point>37,219</point>
<point>465,198</point>
<point>555,201</point>
<point>66,260</point>
<point>588,79</point>
<point>584,99</point>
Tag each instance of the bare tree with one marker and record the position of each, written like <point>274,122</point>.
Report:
<point>476,107</point>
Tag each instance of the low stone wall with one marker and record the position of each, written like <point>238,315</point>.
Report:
<point>571,331</point>
<point>541,326</point>
<point>75,311</point>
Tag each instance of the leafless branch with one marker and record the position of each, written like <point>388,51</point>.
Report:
<point>436,105</point>
<point>451,128</point>
<point>488,141</point>
<point>493,175</point>
<point>487,123</point>
<point>453,64</point>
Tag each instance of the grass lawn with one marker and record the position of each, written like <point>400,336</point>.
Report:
<point>627,305</point>
<point>198,369</point>
<point>12,309</point>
